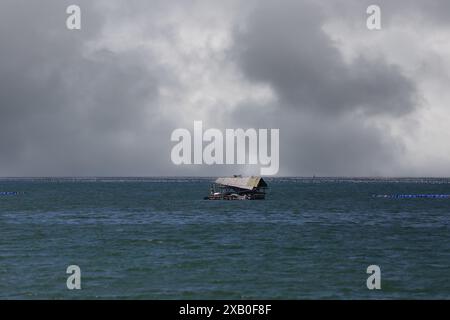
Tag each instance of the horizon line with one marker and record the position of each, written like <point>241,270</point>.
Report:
<point>214,176</point>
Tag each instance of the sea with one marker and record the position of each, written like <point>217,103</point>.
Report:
<point>157,238</point>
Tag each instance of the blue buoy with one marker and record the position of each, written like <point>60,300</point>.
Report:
<point>8,193</point>
<point>411,196</point>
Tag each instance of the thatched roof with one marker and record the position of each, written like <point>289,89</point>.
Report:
<point>247,183</point>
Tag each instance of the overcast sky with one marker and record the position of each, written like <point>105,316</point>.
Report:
<point>104,100</point>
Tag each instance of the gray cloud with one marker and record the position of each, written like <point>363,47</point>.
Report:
<point>70,105</point>
<point>324,103</point>
<point>420,13</point>
<point>63,113</point>
<point>311,144</point>
<point>285,46</point>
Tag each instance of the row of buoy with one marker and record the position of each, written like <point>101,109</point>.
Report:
<point>396,196</point>
<point>402,196</point>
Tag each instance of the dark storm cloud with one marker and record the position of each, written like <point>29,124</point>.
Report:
<point>284,45</point>
<point>65,110</point>
<point>325,146</point>
<point>324,104</point>
<point>62,113</point>
<point>347,148</point>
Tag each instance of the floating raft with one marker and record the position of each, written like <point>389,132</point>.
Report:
<point>409,196</point>
<point>238,188</point>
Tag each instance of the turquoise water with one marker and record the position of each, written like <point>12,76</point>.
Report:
<point>157,239</point>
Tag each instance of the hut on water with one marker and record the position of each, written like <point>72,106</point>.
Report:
<point>238,188</point>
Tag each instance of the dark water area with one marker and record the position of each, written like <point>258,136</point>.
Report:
<point>156,238</point>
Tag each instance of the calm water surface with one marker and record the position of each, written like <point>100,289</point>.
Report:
<point>157,239</point>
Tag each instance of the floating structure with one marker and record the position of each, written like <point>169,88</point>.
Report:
<point>238,188</point>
